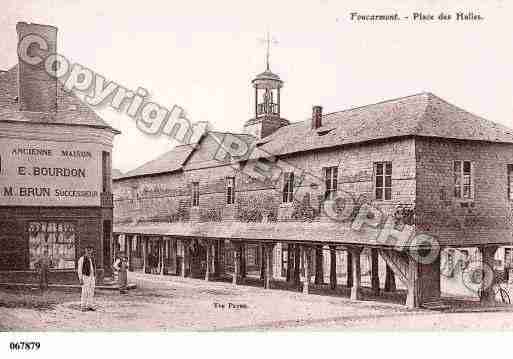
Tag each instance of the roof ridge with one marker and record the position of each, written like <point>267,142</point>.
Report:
<point>365,106</point>
<point>379,103</point>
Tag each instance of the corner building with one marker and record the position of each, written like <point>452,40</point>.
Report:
<point>55,173</point>
<point>425,167</point>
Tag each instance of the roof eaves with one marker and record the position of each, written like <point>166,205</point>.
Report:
<point>152,174</point>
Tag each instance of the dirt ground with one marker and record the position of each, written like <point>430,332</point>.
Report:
<point>175,304</point>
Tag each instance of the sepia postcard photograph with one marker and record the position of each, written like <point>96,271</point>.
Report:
<point>335,171</point>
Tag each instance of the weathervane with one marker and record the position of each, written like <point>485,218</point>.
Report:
<point>268,41</point>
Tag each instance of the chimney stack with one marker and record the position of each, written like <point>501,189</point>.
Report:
<point>316,117</point>
<point>37,90</point>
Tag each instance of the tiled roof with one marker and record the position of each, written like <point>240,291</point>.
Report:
<point>418,115</point>
<point>116,173</point>
<point>174,159</point>
<point>70,109</point>
<point>170,161</point>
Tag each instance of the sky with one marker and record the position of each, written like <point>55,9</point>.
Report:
<point>202,56</point>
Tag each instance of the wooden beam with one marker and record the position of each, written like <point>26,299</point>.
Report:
<point>290,263</point>
<point>375,271</point>
<point>208,269</point>
<point>319,265</point>
<point>173,256</point>
<point>262,255</point>
<point>243,260</point>
<point>236,263</point>
<point>269,247</point>
<point>297,266</point>
<point>333,267</point>
<point>487,295</point>
<point>412,296</point>
<point>222,258</point>
<point>129,253</point>
<point>161,255</point>
<point>356,288</point>
<point>390,280</point>
<point>398,262</point>
<point>307,264</point>
<point>145,253</point>
<point>349,269</point>
<point>216,244</point>
<point>185,259</point>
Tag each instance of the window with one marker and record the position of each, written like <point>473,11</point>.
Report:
<point>230,190</point>
<point>383,180</point>
<point>57,239</point>
<point>463,182</point>
<point>195,194</point>
<point>288,187</point>
<point>330,178</point>
<point>284,259</point>
<point>106,172</point>
<point>510,182</point>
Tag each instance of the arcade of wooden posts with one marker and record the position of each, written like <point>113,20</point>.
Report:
<point>202,251</point>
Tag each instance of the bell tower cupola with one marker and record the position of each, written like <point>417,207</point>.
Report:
<point>267,87</point>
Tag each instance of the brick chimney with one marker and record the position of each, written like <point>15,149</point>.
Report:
<point>37,90</point>
<point>316,117</point>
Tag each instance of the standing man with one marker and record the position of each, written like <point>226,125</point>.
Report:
<point>121,266</point>
<point>43,265</point>
<point>86,274</point>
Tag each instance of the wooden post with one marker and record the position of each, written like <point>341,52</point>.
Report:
<point>268,265</point>
<point>172,256</point>
<point>161,257</point>
<point>333,267</point>
<point>374,270</point>
<point>243,260</point>
<point>356,288</point>
<point>216,258</point>
<point>129,253</point>
<point>145,253</point>
<point>222,258</point>
<point>236,263</point>
<point>307,263</point>
<point>297,266</point>
<point>349,280</point>
<point>486,296</point>
<point>262,261</point>
<point>208,271</point>
<point>290,264</point>
<point>412,296</point>
<point>185,259</point>
<point>319,265</point>
<point>390,280</point>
